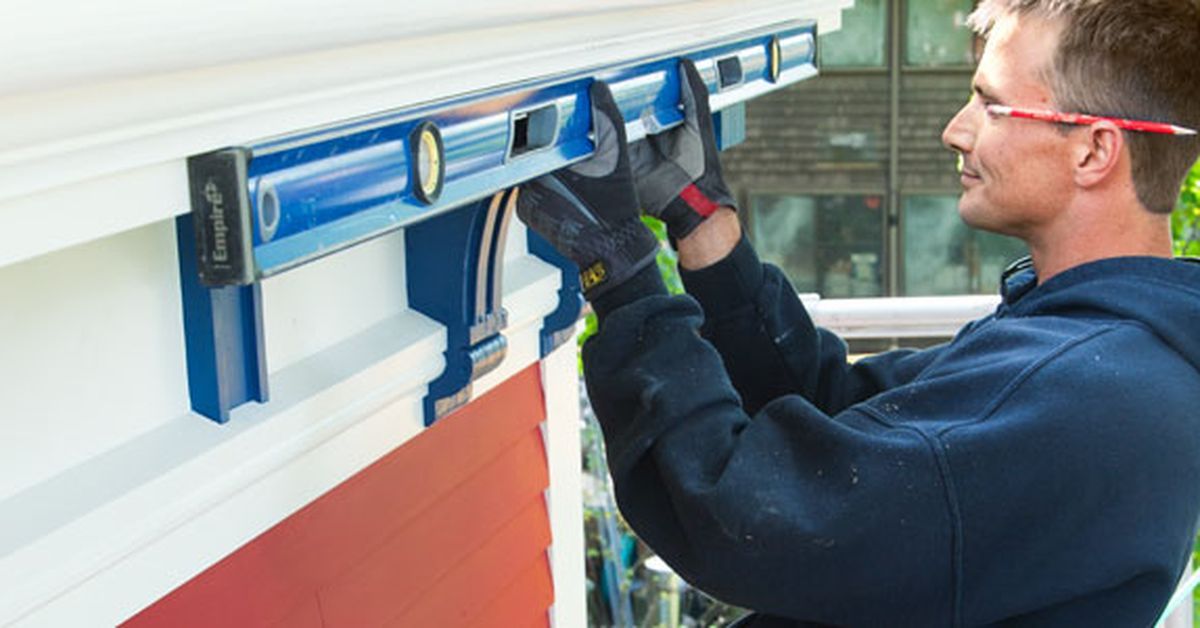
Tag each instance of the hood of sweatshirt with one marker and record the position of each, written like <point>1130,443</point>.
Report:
<point>1163,294</point>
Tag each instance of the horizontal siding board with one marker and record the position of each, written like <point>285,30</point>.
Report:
<point>518,604</point>
<point>257,586</point>
<point>459,597</point>
<point>266,579</point>
<point>305,615</point>
<point>443,536</point>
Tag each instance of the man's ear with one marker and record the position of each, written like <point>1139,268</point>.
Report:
<point>1097,152</point>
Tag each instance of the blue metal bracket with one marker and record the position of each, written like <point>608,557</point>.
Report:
<point>269,206</point>
<point>455,269</point>
<point>559,325</point>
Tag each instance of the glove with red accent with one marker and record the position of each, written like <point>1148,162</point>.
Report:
<point>677,172</point>
<point>589,212</point>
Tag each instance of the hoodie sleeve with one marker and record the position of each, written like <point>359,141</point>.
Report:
<point>795,512</point>
<point>770,347</point>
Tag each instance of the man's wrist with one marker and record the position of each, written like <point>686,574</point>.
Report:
<point>711,241</point>
<point>645,282</point>
<point>725,287</point>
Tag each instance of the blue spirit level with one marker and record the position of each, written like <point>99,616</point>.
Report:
<point>269,206</point>
<point>263,208</point>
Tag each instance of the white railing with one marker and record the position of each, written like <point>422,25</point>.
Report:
<point>1178,613</point>
<point>898,317</point>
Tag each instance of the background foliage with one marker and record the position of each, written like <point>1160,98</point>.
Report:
<point>1185,227</point>
<point>1185,221</point>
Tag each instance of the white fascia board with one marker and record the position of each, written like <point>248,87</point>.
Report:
<point>68,136</point>
<point>63,42</point>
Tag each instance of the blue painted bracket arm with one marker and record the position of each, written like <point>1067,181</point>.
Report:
<point>455,275</point>
<point>559,325</point>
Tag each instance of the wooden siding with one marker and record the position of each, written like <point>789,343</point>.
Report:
<point>450,529</point>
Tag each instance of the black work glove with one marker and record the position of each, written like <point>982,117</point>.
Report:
<point>589,212</point>
<point>677,172</point>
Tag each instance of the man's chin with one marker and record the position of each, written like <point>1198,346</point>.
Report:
<point>966,211</point>
<point>983,220</point>
<point>973,215</point>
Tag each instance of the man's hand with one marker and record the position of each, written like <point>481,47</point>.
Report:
<point>589,212</point>
<point>678,173</point>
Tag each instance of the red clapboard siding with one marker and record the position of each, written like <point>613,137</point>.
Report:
<point>305,615</point>
<point>528,592</point>
<point>440,529</point>
<point>466,591</point>
<point>447,534</point>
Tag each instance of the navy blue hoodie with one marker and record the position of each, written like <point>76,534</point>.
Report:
<point>1042,469</point>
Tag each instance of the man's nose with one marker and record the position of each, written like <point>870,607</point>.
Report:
<point>959,134</point>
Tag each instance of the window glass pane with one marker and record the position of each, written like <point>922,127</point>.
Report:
<point>860,41</point>
<point>936,34</point>
<point>832,245</point>
<point>942,256</point>
<point>784,228</point>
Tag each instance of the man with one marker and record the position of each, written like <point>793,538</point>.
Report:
<point>1042,469</point>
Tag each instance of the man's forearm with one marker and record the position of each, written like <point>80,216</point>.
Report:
<point>711,241</point>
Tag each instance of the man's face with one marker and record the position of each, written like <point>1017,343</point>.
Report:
<point>1016,174</point>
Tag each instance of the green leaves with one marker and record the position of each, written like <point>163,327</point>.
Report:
<point>667,259</point>
<point>1185,220</point>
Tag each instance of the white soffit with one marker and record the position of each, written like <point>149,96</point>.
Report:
<point>136,86</point>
